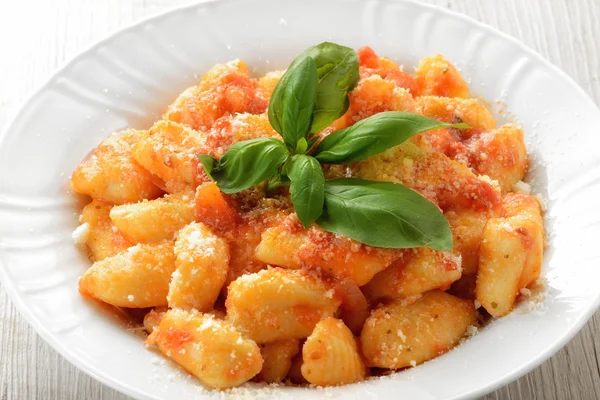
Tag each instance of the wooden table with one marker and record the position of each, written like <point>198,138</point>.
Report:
<point>38,36</point>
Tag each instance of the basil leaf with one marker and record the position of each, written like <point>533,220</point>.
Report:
<point>337,68</point>
<point>383,214</point>
<point>275,107</point>
<point>298,101</point>
<point>208,162</point>
<point>338,73</point>
<point>293,101</point>
<point>248,163</point>
<point>374,135</point>
<point>302,146</point>
<point>307,188</point>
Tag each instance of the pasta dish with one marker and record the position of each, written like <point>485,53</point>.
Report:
<point>318,225</point>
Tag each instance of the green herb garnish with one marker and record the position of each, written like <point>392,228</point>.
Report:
<point>310,95</point>
<point>383,214</point>
<point>374,135</point>
<point>307,188</point>
<point>245,164</point>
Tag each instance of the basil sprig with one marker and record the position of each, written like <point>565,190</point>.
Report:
<point>310,95</point>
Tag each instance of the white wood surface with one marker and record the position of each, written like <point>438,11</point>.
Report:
<point>38,36</point>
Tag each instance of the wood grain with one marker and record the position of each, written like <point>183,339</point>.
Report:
<point>38,36</point>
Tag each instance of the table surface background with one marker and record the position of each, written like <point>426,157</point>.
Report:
<point>38,36</point>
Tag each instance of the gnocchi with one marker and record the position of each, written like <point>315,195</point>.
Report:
<point>207,347</point>
<point>314,248</point>
<point>225,89</point>
<point>154,220</point>
<point>331,356</point>
<point>375,94</point>
<point>446,182</point>
<point>104,238</point>
<point>467,232</point>
<point>267,83</point>
<point>201,261</point>
<point>136,278</point>
<point>419,271</point>
<point>289,303</point>
<point>510,258</point>
<point>456,109</point>
<point>233,287</point>
<point>372,64</point>
<point>436,76</point>
<point>500,154</point>
<point>400,335</point>
<point>168,151</point>
<point>111,174</point>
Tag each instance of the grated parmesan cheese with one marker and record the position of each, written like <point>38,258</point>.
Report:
<point>81,234</point>
<point>522,187</point>
<point>525,292</point>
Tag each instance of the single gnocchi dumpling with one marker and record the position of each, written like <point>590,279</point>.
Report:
<point>372,64</point>
<point>202,260</point>
<point>500,154</point>
<point>400,335</point>
<point>436,76</point>
<point>330,355</point>
<point>136,278</point>
<point>375,94</point>
<point>277,359</point>
<point>467,233</point>
<point>280,247</point>
<point>454,109</point>
<point>103,238</point>
<point>451,110</point>
<point>111,174</point>
<point>277,304</point>
<point>168,150</point>
<point>231,129</point>
<point>419,271</point>
<point>213,208</point>
<point>154,220</point>
<point>289,245</point>
<point>209,348</point>
<point>224,89</point>
<point>510,257</point>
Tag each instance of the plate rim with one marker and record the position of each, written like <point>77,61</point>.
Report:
<point>125,388</point>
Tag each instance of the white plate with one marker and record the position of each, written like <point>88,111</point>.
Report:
<point>129,78</point>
